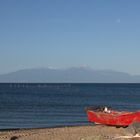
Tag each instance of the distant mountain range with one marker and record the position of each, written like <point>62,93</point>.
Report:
<point>70,75</point>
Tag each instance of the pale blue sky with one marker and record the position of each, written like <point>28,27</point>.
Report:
<point>102,34</point>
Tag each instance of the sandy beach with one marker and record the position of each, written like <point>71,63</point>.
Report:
<point>97,132</point>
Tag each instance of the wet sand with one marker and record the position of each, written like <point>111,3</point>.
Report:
<point>97,132</point>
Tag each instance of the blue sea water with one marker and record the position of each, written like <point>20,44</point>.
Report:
<point>50,105</point>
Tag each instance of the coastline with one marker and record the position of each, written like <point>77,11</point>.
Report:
<point>95,132</point>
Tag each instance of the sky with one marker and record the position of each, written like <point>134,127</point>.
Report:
<point>101,34</point>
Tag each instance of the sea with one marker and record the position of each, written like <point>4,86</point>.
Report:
<point>42,105</point>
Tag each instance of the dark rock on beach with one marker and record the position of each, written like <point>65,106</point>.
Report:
<point>133,128</point>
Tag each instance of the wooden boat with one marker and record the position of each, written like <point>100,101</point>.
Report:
<point>112,117</point>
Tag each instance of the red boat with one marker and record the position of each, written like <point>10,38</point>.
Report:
<point>111,117</point>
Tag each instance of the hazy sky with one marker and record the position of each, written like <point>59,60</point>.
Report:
<point>102,34</point>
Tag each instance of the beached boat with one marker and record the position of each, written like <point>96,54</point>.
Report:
<point>112,117</point>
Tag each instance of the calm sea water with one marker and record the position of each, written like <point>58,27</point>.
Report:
<point>51,105</point>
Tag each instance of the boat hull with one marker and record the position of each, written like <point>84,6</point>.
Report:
<point>115,118</point>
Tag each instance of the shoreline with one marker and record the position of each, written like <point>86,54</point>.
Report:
<point>59,126</point>
<point>86,132</point>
